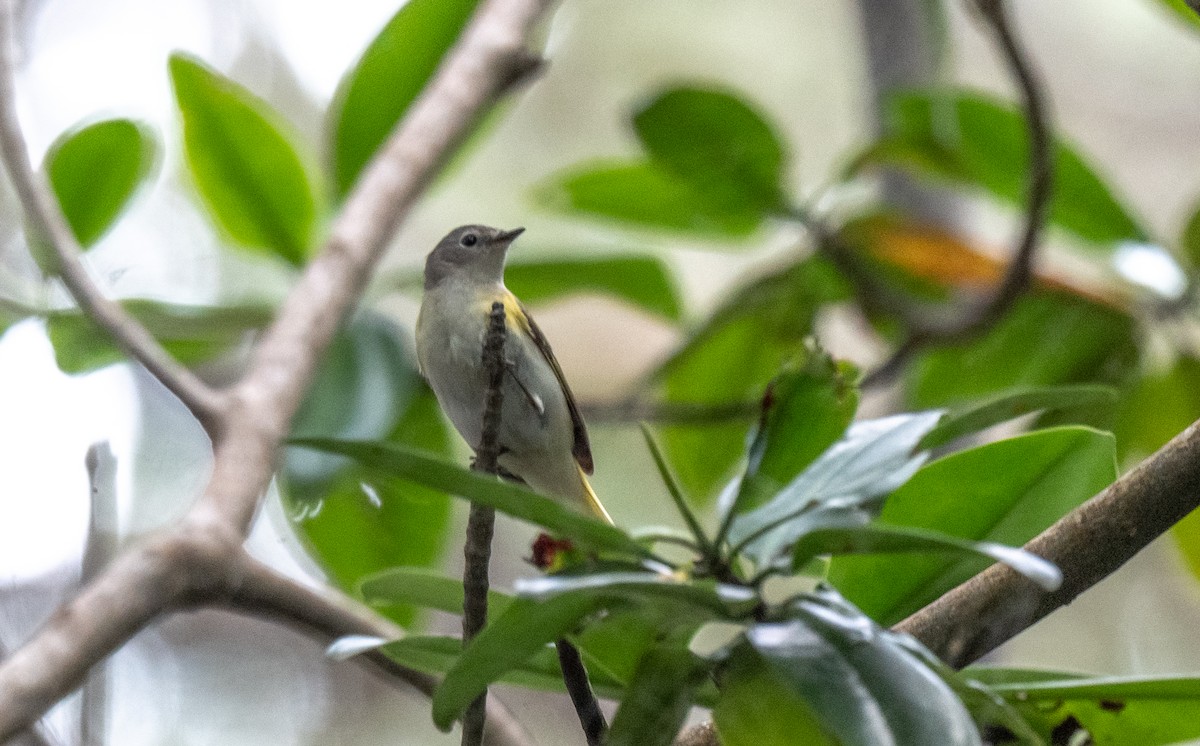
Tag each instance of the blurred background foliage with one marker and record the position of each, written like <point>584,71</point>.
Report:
<point>669,180</point>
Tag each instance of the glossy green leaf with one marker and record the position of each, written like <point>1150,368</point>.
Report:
<point>728,601</point>
<point>526,627</point>
<point>645,194</point>
<point>245,164</point>
<point>1113,710</point>
<point>731,358</point>
<point>833,677</point>
<point>806,410</point>
<point>642,281</point>
<point>1183,11</point>
<point>192,334</point>
<point>973,139</point>
<point>1007,405</point>
<point>1004,492</point>
<point>876,538</point>
<point>659,697</point>
<point>414,466</point>
<point>424,588</point>
<point>716,142</point>
<point>393,70</point>
<point>874,458</point>
<point>1046,339</point>
<point>96,169</point>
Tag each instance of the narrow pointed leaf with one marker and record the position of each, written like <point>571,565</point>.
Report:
<point>96,169</point>
<point>245,164</point>
<point>424,588</point>
<point>1007,405</point>
<point>725,600</point>
<point>659,697</point>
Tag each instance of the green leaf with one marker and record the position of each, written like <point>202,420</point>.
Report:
<point>367,387</point>
<point>659,697</point>
<point>697,535</point>
<point>874,458</point>
<point>732,357</point>
<point>876,538</point>
<point>539,671</point>
<point>1007,405</point>
<point>1004,492</point>
<point>523,629</point>
<point>1183,11</point>
<point>192,334</point>
<point>717,143</point>
<point>1189,241</point>
<point>1113,710</point>
<point>96,169</point>
<point>808,408</point>
<point>645,194</point>
<point>424,588</point>
<point>256,186</point>
<point>1046,339</point>
<point>974,139</point>
<point>413,466</point>
<point>642,281</point>
<point>723,600</point>
<point>393,70</point>
<point>829,676</point>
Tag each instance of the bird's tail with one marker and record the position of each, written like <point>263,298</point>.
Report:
<point>593,502</point>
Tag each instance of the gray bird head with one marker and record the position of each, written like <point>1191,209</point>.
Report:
<point>472,252</point>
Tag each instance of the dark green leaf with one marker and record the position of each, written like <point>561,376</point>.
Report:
<point>1046,339</point>
<point>875,538</point>
<point>716,142</point>
<point>808,408</point>
<point>839,679</point>
<point>874,458</point>
<point>256,186</point>
<point>423,588</point>
<point>645,194</point>
<point>1004,492</point>
<point>526,627</point>
<point>413,466</point>
<point>732,357</point>
<point>1113,710</point>
<point>976,140</point>
<point>642,281</point>
<point>658,698</point>
<point>1007,405</point>
<point>96,169</point>
<point>393,70</point>
<point>728,601</point>
<point>192,334</point>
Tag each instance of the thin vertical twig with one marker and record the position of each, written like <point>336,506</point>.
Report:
<point>99,549</point>
<point>477,552</point>
<point>587,707</point>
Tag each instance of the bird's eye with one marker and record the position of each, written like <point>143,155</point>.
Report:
<point>469,240</point>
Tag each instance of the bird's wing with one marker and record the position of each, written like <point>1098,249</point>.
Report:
<point>581,449</point>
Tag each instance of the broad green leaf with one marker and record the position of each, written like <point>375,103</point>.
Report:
<point>1046,339</point>
<point>717,142</point>
<point>732,357</point>
<point>539,671</point>
<point>393,70</point>
<point>1189,240</point>
<point>423,588</point>
<point>973,139</point>
<point>1183,11</point>
<point>840,680</point>
<point>1113,710</point>
<point>643,281</point>
<point>1007,405</point>
<point>192,334</point>
<point>806,410</point>
<point>1004,492</point>
<point>645,194</point>
<point>874,458</point>
<point>876,538</point>
<point>245,164</point>
<point>659,697</point>
<point>526,627</point>
<point>414,466</point>
<point>367,387</point>
<point>96,169</point>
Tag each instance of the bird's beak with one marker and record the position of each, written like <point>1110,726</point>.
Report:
<point>508,237</point>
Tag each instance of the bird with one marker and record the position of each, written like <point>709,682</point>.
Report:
<point>542,436</point>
